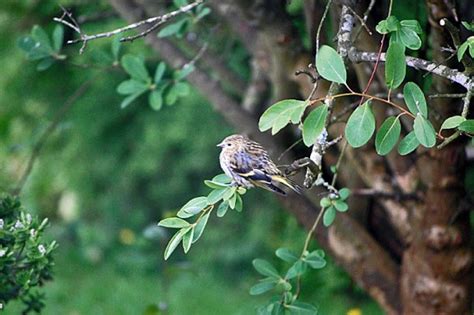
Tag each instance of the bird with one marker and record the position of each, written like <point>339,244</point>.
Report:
<point>248,164</point>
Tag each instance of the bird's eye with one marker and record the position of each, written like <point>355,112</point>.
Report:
<point>229,144</point>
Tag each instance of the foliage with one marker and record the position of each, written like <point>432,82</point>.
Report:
<point>25,257</point>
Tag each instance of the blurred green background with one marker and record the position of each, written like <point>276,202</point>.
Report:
<point>106,176</point>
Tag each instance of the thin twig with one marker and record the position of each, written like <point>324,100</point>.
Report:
<point>155,21</point>
<point>364,19</point>
<point>448,95</point>
<point>52,126</point>
<point>320,26</point>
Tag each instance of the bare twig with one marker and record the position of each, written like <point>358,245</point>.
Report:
<point>320,26</point>
<point>364,20</point>
<point>154,21</point>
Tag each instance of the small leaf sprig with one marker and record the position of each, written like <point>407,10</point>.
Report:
<point>224,196</point>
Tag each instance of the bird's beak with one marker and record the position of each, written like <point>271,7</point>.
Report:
<point>220,145</point>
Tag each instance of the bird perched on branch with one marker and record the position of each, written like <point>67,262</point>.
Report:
<point>249,165</point>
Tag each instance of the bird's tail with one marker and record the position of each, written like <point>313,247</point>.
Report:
<point>288,183</point>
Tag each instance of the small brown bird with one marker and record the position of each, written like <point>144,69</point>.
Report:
<point>249,165</point>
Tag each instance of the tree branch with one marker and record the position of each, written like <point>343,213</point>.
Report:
<point>417,63</point>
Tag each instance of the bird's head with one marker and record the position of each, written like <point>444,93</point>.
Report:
<point>233,142</point>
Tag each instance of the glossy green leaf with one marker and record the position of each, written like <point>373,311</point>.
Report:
<point>171,29</point>
<point>341,206</point>
<point>452,122</point>
<point>182,88</point>
<point>408,144</point>
<point>159,72</point>
<point>344,193</point>
<point>286,255</point>
<point>58,35</point>
<point>415,99</point>
<point>131,87</point>
<point>222,209</point>
<point>193,207</point>
<point>468,26</point>
<point>188,240</point>
<point>424,131</point>
<point>395,66</point>
<point>361,126</point>
<point>387,136</point>
<point>126,101</point>
<point>329,216</point>
<point>298,268</point>
<point>314,124</point>
<point>238,203</point>
<point>413,25</point>
<point>216,195</point>
<point>462,50</point>
<point>115,47</point>
<point>467,126</point>
<point>315,260</point>
<point>156,100</point>
<point>174,223</point>
<point>281,113</point>
<point>174,242</point>
<point>222,178</point>
<point>135,67</point>
<point>184,72</point>
<point>40,36</point>
<point>171,95</point>
<point>215,185</point>
<point>409,38</point>
<point>199,228</point>
<point>263,267</point>
<point>330,65</point>
<point>301,308</point>
<point>325,202</point>
<point>262,287</point>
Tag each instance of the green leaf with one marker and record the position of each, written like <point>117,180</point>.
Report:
<point>344,193</point>
<point>171,95</point>
<point>408,144</point>
<point>315,261</point>
<point>42,38</point>
<point>182,88</point>
<point>174,242</point>
<point>215,185</point>
<point>159,72</point>
<point>341,206</point>
<point>217,194</point>
<point>452,122</point>
<point>44,64</point>
<point>26,43</point>
<point>193,207</point>
<point>413,25</point>
<point>330,65</point>
<point>131,87</point>
<point>115,47</point>
<point>263,267</point>
<point>58,35</point>
<point>388,135</point>
<point>222,209</point>
<point>325,202</point>
<point>468,26</point>
<point>467,126</point>
<point>424,131</point>
<point>410,38</point>
<point>329,216</point>
<point>156,100</point>
<point>238,203</point>
<point>184,72</point>
<point>286,255</point>
<point>415,99</point>
<point>395,66</point>
<point>188,240</point>
<point>222,178</point>
<point>301,308</point>
<point>171,29</point>
<point>174,223</point>
<point>314,124</point>
<point>298,268</point>
<point>126,101</point>
<point>281,113</point>
<point>262,287</point>
<point>361,126</point>
<point>199,228</point>
<point>233,200</point>
<point>135,67</point>
<point>202,13</point>
<point>462,50</point>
